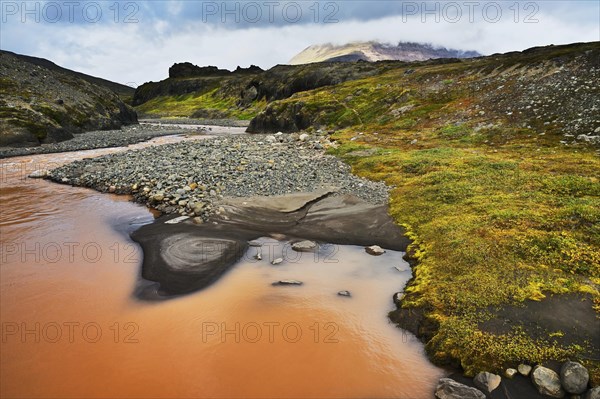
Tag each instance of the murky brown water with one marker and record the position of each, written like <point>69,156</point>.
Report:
<point>71,327</point>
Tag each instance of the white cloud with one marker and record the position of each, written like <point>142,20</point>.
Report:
<point>141,52</point>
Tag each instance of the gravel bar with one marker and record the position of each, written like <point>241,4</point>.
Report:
<point>97,139</point>
<point>191,178</point>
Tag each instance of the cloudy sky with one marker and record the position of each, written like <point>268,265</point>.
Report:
<point>132,42</point>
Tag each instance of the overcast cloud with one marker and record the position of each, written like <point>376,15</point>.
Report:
<point>138,41</point>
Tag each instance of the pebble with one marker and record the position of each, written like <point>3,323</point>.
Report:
<point>375,250</point>
<point>288,282</point>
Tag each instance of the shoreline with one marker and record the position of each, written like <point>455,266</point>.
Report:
<point>224,216</point>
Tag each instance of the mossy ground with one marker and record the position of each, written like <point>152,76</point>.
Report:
<point>210,102</point>
<point>498,209</point>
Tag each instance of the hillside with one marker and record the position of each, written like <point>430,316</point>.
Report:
<point>495,172</point>
<point>209,92</point>
<point>374,51</point>
<point>124,91</point>
<point>41,102</point>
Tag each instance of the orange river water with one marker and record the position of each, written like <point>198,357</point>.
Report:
<point>72,328</point>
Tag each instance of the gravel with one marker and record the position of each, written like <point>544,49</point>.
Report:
<point>97,139</point>
<point>191,178</point>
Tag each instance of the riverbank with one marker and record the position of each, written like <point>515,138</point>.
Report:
<point>127,135</point>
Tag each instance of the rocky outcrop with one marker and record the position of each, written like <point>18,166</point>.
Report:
<point>41,105</point>
<point>247,86</point>
<point>189,70</point>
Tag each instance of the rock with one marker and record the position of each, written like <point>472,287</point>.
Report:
<point>375,250</point>
<point>38,174</point>
<point>287,282</point>
<point>270,139</point>
<point>304,246</point>
<point>524,369</point>
<point>574,377</point>
<point>487,382</point>
<point>510,373</point>
<point>593,393</point>
<point>344,293</point>
<point>547,382</point>
<point>589,138</point>
<point>112,189</point>
<point>398,296</point>
<point>303,137</point>
<point>449,389</point>
<point>199,207</point>
<point>177,220</point>
<point>277,261</point>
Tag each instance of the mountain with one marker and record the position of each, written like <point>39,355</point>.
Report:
<point>123,91</point>
<point>374,51</point>
<point>41,102</point>
<point>558,97</point>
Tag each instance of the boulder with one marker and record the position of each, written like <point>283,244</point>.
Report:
<point>344,293</point>
<point>449,389</point>
<point>487,382</point>
<point>574,377</point>
<point>547,382</point>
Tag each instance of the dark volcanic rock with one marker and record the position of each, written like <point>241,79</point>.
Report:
<point>30,113</point>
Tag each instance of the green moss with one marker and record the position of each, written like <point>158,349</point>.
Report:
<point>208,101</point>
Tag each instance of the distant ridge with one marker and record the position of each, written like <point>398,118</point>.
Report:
<point>375,51</point>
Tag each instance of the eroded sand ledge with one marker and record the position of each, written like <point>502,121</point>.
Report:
<point>185,257</point>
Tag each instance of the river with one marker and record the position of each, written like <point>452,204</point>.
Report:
<point>72,327</point>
